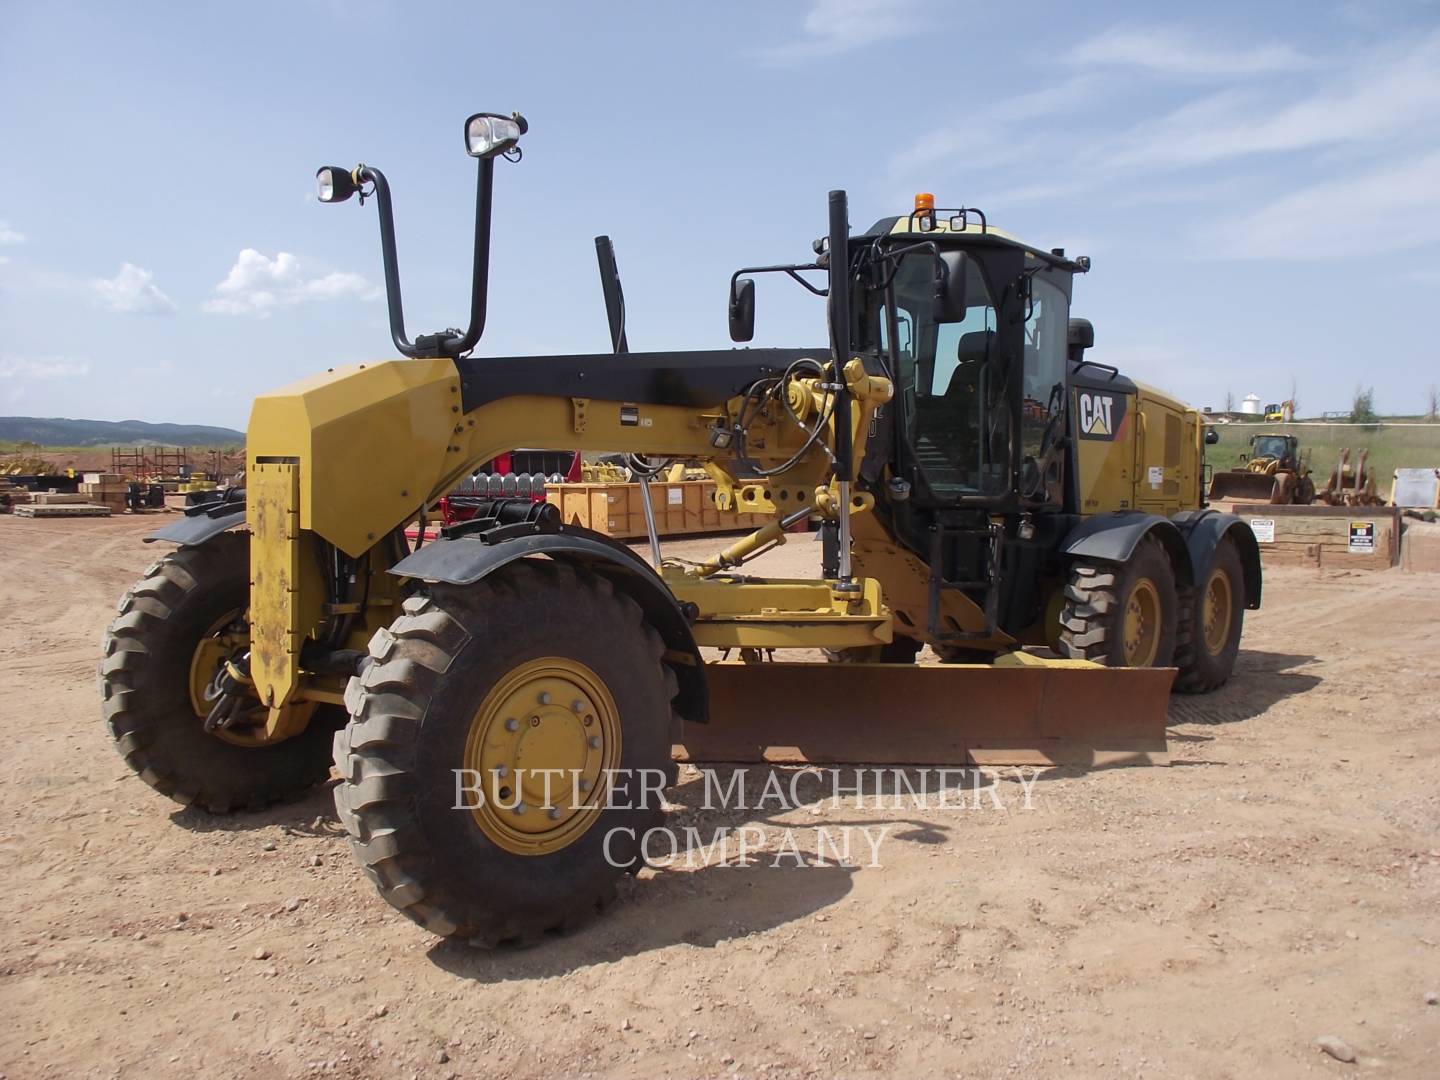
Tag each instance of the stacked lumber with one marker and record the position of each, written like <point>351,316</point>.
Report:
<point>52,503</point>
<point>57,498</point>
<point>11,495</point>
<point>105,489</point>
<point>39,510</point>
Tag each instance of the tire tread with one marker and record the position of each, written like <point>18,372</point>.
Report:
<point>376,753</point>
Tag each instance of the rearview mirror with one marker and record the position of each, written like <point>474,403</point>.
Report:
<point>951,274</point>
<point>742,310</point>
<point>1211,436</point>
<point>1080,335</point>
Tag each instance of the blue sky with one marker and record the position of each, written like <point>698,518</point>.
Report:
<point>1258,184</point>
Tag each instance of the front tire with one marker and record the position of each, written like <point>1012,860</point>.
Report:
<point>166,623</point>
<point>1122,615</point>
<point>481,687</point>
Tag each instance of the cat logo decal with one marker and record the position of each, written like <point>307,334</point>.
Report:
<point>1100,415</point>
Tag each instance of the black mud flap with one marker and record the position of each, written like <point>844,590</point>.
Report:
<point>205,520</point>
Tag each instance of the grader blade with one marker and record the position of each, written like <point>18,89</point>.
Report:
<point>1014,712</point>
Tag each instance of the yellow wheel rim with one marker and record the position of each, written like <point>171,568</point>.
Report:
<point>1217,612</point>
<point>551,717</point>
<point>227,637</point>
<point>1142,624</point>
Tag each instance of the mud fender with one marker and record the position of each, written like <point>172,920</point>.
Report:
<point>203,522</point>
<point>1204,530</point>
<point>464,560</point>
<point>1113,538</point>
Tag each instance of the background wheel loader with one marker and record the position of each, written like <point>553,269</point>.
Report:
<point>1275,471</point>
<point>507,702</point>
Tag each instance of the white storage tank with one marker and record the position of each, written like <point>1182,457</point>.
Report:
<point>1251,405</point>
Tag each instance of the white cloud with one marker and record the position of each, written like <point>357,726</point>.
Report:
<point>1391,208</point>
<point>1377,108</point>
<point>35,368</point>
<point>258,285</point>
<point>1389,96</point>
<point>837,26</point>
<point>10,235</point>
<point>19,374</point>
<point>994,133</point>
<point>1175,52</point>
<point>132,292</point>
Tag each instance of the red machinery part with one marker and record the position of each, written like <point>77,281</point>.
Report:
<point>516,473</point>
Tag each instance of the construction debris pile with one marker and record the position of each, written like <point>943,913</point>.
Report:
<point>138,480</point>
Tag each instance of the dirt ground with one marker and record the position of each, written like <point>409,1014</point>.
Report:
<point>1278,883</point>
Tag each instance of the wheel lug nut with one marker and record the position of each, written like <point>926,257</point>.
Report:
<point>554,813</point>
<point>521,808</point>
<point>544,698</point>
<point>577,706</point>
<point>594,742</point>
<point>502,770</point>
<point>586,785</point>
<point>512,725</point>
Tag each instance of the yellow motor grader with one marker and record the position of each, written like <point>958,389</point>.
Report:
<point>505,704</point>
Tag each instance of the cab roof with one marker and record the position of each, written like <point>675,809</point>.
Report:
<point>971,227</point>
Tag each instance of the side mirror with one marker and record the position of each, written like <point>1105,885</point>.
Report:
<point>1211,436</point>
<point>1081,333</point>
<point>952,273</point>
<point>742,310</point>
<point>1079,336</point>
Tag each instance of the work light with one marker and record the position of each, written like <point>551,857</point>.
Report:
<point>487,134</point>
<point>334,184</point>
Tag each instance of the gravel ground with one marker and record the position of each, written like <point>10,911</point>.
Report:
<point>1277,886</point>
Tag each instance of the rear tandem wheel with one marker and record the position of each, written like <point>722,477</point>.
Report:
<point>1212,615</point>
<point>1122,614</point>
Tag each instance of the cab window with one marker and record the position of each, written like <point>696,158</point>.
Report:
<point>952,383</point>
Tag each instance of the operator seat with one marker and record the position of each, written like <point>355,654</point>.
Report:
<point>947,437</point>
<point>971,352</point>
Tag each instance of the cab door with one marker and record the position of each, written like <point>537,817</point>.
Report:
<point>1043,399</point>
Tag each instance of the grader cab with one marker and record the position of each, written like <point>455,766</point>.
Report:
<point>507,702</point>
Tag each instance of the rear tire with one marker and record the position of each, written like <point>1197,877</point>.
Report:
<point>1122,614</point>
<point>1212,615</point>
<point>428,702</point>
<point>146,692</point>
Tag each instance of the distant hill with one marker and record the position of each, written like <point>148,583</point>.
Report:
<point>56,431</point>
